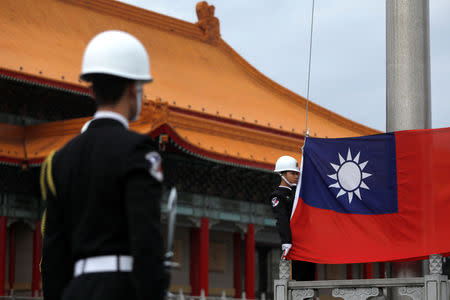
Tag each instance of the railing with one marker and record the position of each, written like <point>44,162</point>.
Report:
<point>429,287</point>
<point>21,206</point>
<point>181,296</point>
<point>14,297</point>
<point>221,209</point>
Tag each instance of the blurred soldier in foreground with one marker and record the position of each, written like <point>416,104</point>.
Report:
<point>282,200</point>
<point>101,229</point>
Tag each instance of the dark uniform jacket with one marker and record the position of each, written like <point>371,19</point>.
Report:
<point>282,200</point>
<point>102,193</point>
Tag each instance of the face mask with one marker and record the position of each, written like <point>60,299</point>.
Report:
<point>138,99</point>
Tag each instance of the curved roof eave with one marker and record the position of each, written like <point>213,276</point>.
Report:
<point>214,78</point>
<point>209,137</point>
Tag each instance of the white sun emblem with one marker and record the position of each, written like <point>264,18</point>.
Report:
<point>349,176</point>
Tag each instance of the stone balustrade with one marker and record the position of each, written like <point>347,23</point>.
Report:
<point>429,287</point>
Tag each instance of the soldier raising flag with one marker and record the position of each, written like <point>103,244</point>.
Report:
<point>282,200</point>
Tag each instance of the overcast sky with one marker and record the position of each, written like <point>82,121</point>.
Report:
<point>348,73</point>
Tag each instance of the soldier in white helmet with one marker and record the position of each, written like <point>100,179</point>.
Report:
<point>101,236</point>
<point>282,200</point>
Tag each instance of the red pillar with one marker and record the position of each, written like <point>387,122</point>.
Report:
<point>193,274</point>
<point>237,265</point>
<point>250,262</point>
<point>368,271</point>
<point>204,256</point>
<point>12,258</point>
<point>2,254</point>
<point>349,271</point>
<point>36,274</point>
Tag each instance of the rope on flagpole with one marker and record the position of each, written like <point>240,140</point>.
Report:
<point>297,191</point>
<point>309,66</point>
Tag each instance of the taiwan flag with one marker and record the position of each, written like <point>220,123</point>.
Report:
<point>373,198</point>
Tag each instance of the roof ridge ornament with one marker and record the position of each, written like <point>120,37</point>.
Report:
<point>207,22</point>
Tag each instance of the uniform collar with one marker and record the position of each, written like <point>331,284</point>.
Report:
<point>285,187</point>
<point>106,114</point>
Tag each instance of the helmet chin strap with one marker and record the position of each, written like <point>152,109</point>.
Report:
<point>287,181</point>
<point>138,99</point>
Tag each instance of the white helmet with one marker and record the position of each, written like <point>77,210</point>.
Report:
<point>116,53</point>
<point>286,163</point>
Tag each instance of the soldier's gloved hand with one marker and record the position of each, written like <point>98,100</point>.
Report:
<point>285,248</point>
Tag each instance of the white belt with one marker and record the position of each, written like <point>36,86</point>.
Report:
<point>107,263</point>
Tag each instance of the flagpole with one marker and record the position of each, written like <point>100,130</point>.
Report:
<point>408,87</point>
<point>408,97</point>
